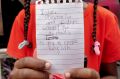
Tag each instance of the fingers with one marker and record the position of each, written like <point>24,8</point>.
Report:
<point>82,74</point>
<point>28,74</point>
<point>32,63</point>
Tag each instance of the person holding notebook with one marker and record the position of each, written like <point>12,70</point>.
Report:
<point>102,46</point>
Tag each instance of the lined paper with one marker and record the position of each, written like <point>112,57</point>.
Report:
<point>60,35</point>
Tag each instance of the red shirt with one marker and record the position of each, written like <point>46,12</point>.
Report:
<point>108,34</point>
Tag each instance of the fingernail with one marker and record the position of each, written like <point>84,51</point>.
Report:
<point>67,75</point>
<point>47,65</point>
<point>9,77</point>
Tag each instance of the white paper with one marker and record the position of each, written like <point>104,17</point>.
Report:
<point>60,35</point>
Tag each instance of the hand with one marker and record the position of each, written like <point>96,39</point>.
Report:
<point>84,73</point>
<point>30,68</point>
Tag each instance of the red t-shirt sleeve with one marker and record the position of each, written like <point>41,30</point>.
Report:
<point>16,37</point>
<point>112,40</point>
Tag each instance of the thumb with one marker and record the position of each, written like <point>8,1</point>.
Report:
<point>84,73</point>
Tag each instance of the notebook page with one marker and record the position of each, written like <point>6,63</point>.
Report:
<point>60,35</point>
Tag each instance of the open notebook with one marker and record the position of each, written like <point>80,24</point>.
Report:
<point>60,33</point>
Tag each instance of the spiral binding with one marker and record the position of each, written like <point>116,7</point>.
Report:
<point>58,1</point>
